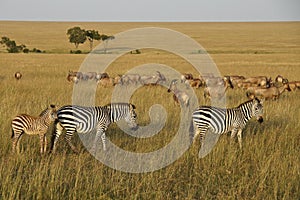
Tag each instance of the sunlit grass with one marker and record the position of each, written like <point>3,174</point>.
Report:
<point>266,168</point>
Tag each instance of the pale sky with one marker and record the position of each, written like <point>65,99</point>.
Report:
<point>150,10</point>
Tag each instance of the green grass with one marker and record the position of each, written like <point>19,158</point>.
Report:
<point>267,167</point>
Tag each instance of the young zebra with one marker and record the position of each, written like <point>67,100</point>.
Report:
<point>32,126</point>
<point>219,120</point>
<point>85,119</point>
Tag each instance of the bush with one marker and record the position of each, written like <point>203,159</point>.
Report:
<point>76,52</point>
<point>25,50</point>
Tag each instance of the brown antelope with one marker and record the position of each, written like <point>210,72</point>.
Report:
<point>99,76</point>
<point>258,81</point>
<point>18,75</point>
<point>217,88</point>
<point>72,78</point>
<point>186,76</point>
<point>153,80</point>
<point>235,79</point>
<point>281,79</point>
<point>117,79</point>
<point>178,95</point>
<point>196,82</point>
<point>294,85</point>
<point>130,78</point>
<point>107,82</point>
<point>272,92</point>
<point>214,92</point>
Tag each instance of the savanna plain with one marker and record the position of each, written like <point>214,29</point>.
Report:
<point>268,166</point>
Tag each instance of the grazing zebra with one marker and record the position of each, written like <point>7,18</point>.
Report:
<point>220,120</point>
<point>32,126</point>
<point>86,119</point>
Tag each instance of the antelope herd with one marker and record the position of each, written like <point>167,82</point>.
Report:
<point>262,87</point>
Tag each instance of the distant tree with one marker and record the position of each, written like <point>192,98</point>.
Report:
<point>11,45</point>
<point>105,39</point>
<point>91,36</point>
<point>76,35</point>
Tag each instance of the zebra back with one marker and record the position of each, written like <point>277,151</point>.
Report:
<point>117,111</point>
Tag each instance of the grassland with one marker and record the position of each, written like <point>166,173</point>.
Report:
<point>267,168</point>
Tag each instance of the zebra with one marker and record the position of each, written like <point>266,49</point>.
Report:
<point>33,126</point>
<point>80,119</point>
<point>220,120</point>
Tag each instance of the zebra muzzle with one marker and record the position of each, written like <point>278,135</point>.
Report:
<point>260,119</point>
<point>135,128</point>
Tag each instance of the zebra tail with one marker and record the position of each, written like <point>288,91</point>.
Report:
<point>191,131</point>
<point>12,133</point>
<point>53,135</point>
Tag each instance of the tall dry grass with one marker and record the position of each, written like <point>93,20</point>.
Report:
<point>266,168</point>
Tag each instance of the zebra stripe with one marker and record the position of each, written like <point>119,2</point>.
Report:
<point>83,120</point>
<point>32,126</point>
<point>220,120</point>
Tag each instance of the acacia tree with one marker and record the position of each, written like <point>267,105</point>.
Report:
<point>105,39</point>
<point>76,35</point>
<point>11,45</point>
<point>91,36</point>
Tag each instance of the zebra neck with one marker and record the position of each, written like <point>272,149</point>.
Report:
<point>246,110</point>
<point>115,114</point>
<point>46,118</point>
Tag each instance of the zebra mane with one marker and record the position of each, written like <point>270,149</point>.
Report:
<point>117,104</point>
<point>43,112</point>
<point>251,100</point>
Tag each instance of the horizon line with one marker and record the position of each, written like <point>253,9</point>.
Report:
<point>148,21</point>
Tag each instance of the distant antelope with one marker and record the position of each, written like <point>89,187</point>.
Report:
<point>130,78</point>
<point>153,80</point>
<point>33,126</point>
<point>272,92</point>
<point>18,75</point>
<point>196,82</point>
<point>186,76</point>
<point>217,88</point>
<point>107,82</point>
<point>178,96</point>
<point>294,85</point>
<point>281,79</point>
<point>258,81</point>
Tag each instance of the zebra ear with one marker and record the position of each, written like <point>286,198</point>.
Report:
<point>52,106</point>
<point>132,106</point>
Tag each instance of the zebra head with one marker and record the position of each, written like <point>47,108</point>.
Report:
<point>131,116</point>
<point>53,113</point>
<point>257,109</point>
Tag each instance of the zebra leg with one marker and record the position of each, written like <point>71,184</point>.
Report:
<point>41,143</point>
<point>45,143</point>
<point>100,133</point>
<point>239,135</point>
<point>103,138</point>
<point>68,138</point>
<point>233,134</point>
<point>56,133</point>
<point>16,142</point>
<point>197,133</point>
<point>95,144</point>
